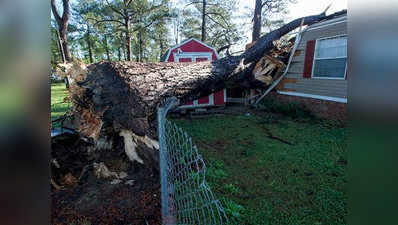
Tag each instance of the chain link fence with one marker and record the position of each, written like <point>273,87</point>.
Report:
<point>186,197</point>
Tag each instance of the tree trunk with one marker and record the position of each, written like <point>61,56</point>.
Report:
<point>63,23</point>
<point>204,20</point>
<point>60,48</point>
<point>178,33</point>
<point>257,21</point>
<point>119,54</point>
<point>128,36</point>
<point>140,46</point>
<point>108,55</point>
<point>161,46</point>
<point>122,46</point>
<point>65,43</point>
<point>111,98</point>
<point>90,51</point>
<point>177,30</point>
<point>136,49</point>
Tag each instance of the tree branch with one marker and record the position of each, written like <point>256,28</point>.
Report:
<point>220,15</point>
<point>114,9</point>
<point>223,48</point>
<point>127,3</point>
<point>55,12</point>
<point>199,2</point>
<point>106,20</point>
<point>191,3</point>
<point>215,37</point>
<point>147,25</point>
<point>66,13</point>
<point>216,21</point>
<point>265,3</point>
<point>141,12</point>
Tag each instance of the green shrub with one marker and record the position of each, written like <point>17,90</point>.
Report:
<point>292,109</point>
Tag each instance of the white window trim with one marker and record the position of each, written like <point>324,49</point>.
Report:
<point>211,101</point>
<point>195,103</point>
<point>192,55</point>
<point>313,60</point>
<point>320,97</point>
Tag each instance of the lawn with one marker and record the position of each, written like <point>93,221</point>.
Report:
<point>263,180</point>
<point>58,106</point>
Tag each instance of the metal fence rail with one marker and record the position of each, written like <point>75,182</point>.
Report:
<point>186,197</point>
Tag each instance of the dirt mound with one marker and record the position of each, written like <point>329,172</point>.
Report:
<point>86,199</point>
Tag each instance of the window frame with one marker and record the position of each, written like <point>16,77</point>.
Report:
<point>193,56</point>
<point>314,59</point>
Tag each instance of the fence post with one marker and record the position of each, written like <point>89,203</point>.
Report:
<point>162,166</point>
<point>167,216</point>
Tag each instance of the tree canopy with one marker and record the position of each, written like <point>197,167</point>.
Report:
<point>142,30</point>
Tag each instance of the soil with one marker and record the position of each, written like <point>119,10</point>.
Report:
<point>96,201</point>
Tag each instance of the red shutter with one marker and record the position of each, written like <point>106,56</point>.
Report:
<point>185,60</point>
<point>201,59</point>
<point>309,58</point>
<point>219,98</point>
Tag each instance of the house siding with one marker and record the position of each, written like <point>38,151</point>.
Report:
<point>315,86</point>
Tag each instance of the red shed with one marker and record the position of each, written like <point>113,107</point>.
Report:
<point>192,50</point>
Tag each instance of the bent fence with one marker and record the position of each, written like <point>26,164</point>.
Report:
<point>186,197</point>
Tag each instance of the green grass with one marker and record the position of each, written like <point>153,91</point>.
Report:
<point>58,106</point>
<point>264,181</point>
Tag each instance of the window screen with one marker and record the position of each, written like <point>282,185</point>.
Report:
<point>330,58</point>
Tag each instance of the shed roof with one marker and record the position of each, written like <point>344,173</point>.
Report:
<point>167,53</point>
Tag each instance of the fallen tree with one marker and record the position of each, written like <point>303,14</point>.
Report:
<point>121,98</point>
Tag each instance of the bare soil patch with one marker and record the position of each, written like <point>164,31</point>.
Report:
<point>135,200</point>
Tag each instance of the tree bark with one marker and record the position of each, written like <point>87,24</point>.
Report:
<point>257,21</point>
<point>161,46</point>
<point>177,30</point>
<point>140,46</point>
<point>108,55</point>
<point>204,20</point>
<point>114,97</point>
<point>128,37</point>
<point>119,53</point>
<point>90,51</point>
<point>65,43</point>
<point>63,23</point>
<point>60,48</point>
<point>122,46</point>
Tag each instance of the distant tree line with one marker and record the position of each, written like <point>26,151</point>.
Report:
<point>142,30</point>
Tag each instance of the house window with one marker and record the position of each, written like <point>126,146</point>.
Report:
<point>330,59</point>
